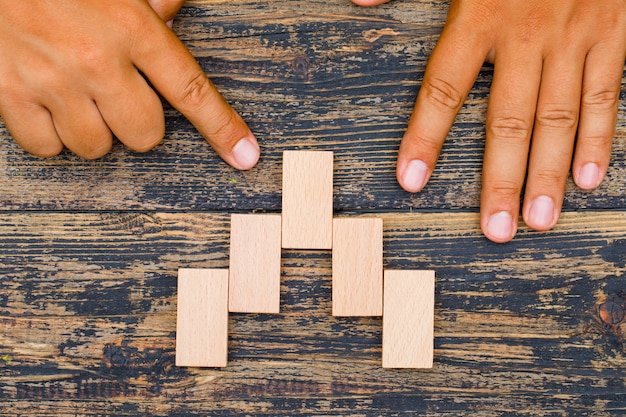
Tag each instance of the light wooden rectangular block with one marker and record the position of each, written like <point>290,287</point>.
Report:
<point>408,319</point>
<point>307,199</point>
<point>255,255</point>
<point>202,318</point>
<point>357,267</point>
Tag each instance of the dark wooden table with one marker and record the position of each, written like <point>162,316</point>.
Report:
<point>89,250</point>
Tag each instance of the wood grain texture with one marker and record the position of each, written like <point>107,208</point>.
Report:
<point>357,266</point>
<point>89,250</point>
<point>408,319</point>
<point>255,255</point>
<point>307,209</point>
<point>88,311</point>
<point>202,317</point>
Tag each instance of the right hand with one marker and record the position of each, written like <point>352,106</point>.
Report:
<point>72,74</point>
<point>553,102</point>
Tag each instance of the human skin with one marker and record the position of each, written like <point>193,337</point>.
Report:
<point>553,102</point>
<point>73,73</point>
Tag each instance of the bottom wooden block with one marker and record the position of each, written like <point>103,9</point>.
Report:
<point>408,319</point>
<point>202,319</point>
<point>357,266</point>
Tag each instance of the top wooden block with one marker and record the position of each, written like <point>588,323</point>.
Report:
<point>307,200</point>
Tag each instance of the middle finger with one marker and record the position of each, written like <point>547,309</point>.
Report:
<point>552,146</point>
<point>512,105</point>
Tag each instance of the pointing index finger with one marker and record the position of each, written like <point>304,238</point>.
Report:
<point>175,73</point>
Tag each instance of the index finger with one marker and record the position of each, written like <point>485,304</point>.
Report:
<point>452,68</point>
<point>175,73</point>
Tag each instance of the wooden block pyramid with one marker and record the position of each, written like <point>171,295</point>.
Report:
<point>360,286</point>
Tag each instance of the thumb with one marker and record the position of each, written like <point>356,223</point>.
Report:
<point>166,9</point>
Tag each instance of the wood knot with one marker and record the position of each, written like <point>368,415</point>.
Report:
<point>136,223</point>
<point>612,311</point>
<point>300,66</point>
<point>115,356</point>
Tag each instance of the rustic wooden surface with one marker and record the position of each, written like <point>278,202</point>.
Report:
<point>89,250</point>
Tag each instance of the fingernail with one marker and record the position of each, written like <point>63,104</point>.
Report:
<point>541,213</point>
<point>589,176</point>
<point>246,154</point>
<point>415,176</point>
<point>500,227</point>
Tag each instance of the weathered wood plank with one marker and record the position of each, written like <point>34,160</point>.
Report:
<point>88,307</point>
<point>89,250</point>
<point>321,74</point>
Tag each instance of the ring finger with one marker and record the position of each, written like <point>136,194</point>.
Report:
<point>512,104</point>
<point>80,127</point>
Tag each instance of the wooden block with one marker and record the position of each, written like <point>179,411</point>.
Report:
<point>202,322</point>
<point>255,255</point>
<point>307,199</point>
<point>408,319</point>
<point>357,267</point>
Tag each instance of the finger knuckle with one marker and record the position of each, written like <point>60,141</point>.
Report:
<point>421,143</point>
<point>549,178</point>
<point>51,81</point>
<point>509,128</point>
<point>88,142</point>
<point>504,189</point>
<point>224,127</point>
<point>146,143</point>
<point>597,142</point>
<point>530,28</point>
<point>89,58</point>
<point>443,94</point>
<point>95,151</point>
<point>557,118</point>
<point>196,91</point>
<point>46,149</point>
<point>602,100</point>
<point>148,135</point>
